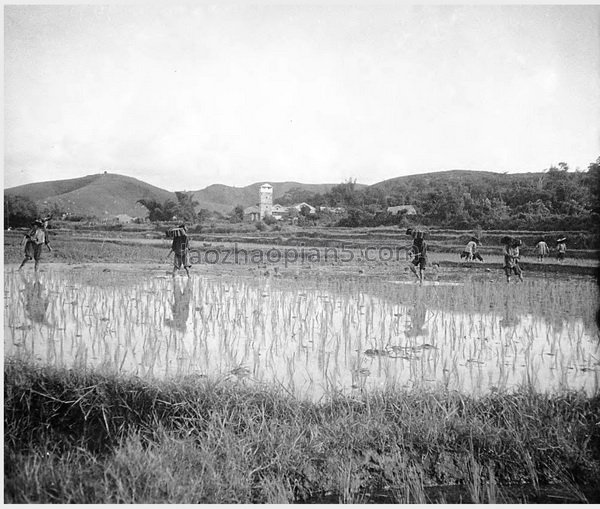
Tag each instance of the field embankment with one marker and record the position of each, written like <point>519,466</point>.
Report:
<point>77,437</point>
<point>375,252</point>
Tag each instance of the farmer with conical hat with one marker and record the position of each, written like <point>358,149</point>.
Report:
<point>561,248</point>
<point>180,247</point>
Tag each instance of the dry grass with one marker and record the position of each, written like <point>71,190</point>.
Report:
<point>85,438</point>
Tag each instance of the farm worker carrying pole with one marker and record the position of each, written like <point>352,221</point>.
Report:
<point>418,251</point>
<point>180,247</point>
<point>511,258</point>
<point>34,239</point>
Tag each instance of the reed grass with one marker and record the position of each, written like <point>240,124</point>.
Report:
<point>81,437</point>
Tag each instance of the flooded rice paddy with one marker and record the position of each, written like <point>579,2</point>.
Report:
<point>311,338</point>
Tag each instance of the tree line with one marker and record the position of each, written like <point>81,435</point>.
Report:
<point>556,199</point>
<point>20,211</point>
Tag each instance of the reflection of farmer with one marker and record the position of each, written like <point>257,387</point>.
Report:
<point>509,318</point>
<point>181,306</point>
<point>180,248</point>
<point>417,321</point>
<point>36,301</point>
<point>34,239</point>
<point>418,251</point>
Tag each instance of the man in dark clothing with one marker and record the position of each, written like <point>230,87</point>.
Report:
<point>180,247</point>
<point>418,251</point>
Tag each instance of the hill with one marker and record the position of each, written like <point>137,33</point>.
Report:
<point>224,198</point>
<point>556,199</point>
<point>462,177</point>
<point>100,195</point>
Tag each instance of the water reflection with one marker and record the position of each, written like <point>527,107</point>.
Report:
<point>416,322</point>
<point>180,306</point>
<point>510,316</point>
<point>312,339</point>
<point>36,300</point>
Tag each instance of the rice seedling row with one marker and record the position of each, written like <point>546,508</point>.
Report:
<point>315,338</point>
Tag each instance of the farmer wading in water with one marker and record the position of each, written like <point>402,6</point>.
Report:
<point>34,240</point>
<point>180,247</point>
<point>511,258</point>
<point>418,251</point>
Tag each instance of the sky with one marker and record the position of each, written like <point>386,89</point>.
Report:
<point>185,95</point>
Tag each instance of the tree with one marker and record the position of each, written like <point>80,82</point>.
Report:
<point>238,214</point>
<point>344,194</point>
<point>592,180</point>
<point>19,211</point>
<point>160,211</point>
<point>296,195</point>
<point>186,206</point>
<point>203,215</point>
<point>305,210</point>
<point>53,210</point>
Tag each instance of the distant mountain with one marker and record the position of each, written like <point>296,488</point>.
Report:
<point>223,198</point>
<point>108,194</point>
<point>100,195</point>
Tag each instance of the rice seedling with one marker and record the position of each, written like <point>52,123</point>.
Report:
<point>326,337</point>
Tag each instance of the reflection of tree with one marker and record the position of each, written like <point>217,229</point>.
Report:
<point>180,308</point>
<point>417,320</point>
<point>36,300</point>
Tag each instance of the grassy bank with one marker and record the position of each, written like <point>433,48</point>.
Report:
<point>86,438</point>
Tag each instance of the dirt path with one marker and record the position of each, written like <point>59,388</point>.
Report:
<point>441,271</point>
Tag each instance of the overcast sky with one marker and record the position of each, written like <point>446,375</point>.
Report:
<point>187,95</point>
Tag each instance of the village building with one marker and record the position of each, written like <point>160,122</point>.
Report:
<point>300,206</point>
<point>408,209</point>
<point>265,205</point>
<point>332,210</point>
<point>252,213</point>
<point>119,219</point>
<point>279,211</point>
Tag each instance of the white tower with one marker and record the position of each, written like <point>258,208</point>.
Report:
<point>265,205</point>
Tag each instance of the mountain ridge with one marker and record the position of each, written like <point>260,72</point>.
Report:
<point>99,195</point>
<point>108,194</point>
